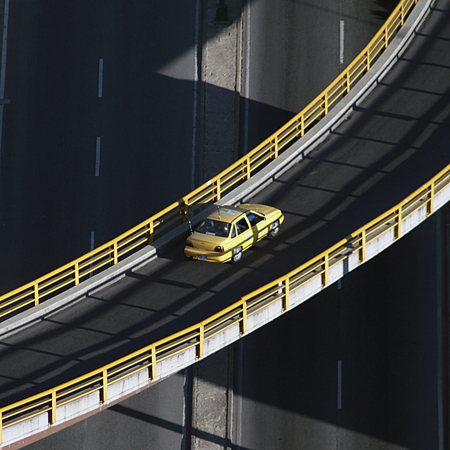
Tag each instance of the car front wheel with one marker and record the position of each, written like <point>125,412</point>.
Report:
<point>275,228</point>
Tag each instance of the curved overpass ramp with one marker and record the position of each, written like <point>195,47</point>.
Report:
<point>391,143</point>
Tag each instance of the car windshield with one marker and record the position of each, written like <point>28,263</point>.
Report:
<point>214,228</point>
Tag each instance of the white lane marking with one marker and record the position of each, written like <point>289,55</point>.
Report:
<point>97,156</point>
<point>339,391</point>
<point>196,78</point>
<point>100,78</point>
<point>3,70</point>
<point>341,42</point>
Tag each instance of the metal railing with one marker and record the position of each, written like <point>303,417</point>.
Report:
<point>238,313</point>
<point>71,274</point>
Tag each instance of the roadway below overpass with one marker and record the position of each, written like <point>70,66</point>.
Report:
<point>403,150</point>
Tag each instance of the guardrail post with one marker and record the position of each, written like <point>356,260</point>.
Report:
<point>76,273</point>
<point>286,294</point>
<point>244,318</point>
<point>367,60</point>
<point>347,82</point>
<point>53,410</point>
<point>201,339</point>
<point>325,104</point>
<point>150,232</point>
<point>218,190</point>
<point>36,294</point>
<point>104,385</point>
<point>184,212</point>
<point>302,125</point>
<point>275,148</point>
<point>1,427</point>
<point>398,228</point>
<point>114,256</point>
<point>430,201</point>
<point>362,250</point>
<point>325,270</point>
<point>386,37</point>
<point>248,168</point>
<point>152,363</point>
<point>402,15</point>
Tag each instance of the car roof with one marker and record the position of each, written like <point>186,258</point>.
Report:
<point>227,213</point>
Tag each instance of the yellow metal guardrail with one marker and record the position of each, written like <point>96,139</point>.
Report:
<point>33,293</point>
<point>238,313</point>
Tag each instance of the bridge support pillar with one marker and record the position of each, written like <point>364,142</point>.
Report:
<point>212,400</point>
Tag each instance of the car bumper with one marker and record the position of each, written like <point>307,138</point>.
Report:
<point>209,257</point>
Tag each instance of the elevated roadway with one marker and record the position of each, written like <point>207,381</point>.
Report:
<point>391,143</point>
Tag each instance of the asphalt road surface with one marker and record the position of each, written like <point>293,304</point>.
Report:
<point>389,146</point>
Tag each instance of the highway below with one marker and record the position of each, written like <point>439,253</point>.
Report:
<point>391,144</point>
<point>101,102</point>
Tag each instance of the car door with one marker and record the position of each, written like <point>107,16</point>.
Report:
<point>244,232</point>
<point>259,228</point>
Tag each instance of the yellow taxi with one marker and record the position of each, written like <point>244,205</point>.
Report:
<point>230,230</point>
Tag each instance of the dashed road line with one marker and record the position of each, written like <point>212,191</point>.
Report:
<point>97,156</point>
<point>100,78</point>
<point>339,380</point>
